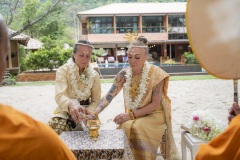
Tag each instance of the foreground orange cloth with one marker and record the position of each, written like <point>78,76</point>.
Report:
<point>226,146</point>
<point>23,138</point>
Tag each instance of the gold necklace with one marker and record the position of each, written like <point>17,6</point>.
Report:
<point>134,87</point>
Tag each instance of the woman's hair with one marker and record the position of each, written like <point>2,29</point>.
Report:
<point>143,39</point>
<point>141,42</point>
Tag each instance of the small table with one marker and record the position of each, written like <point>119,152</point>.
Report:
<point>192,142</point>
<point>111,144</point>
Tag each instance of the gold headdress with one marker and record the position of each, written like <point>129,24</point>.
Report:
<point>130,37</point>
<point>85,44</point>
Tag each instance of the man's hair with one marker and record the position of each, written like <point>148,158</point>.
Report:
<point>79,43</point>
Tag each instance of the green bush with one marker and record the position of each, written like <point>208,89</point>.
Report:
<point>47,59</point>
<point>36,60</point>
<point>11,80</point>
<point>190,58</point>
<point>170,61</point>
<point>22,57</point>
<point>53,57</point>
<point>65,54</point>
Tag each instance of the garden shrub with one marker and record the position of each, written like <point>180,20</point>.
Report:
<point>47,59</point>
<point>11,80</point>
<point>190,58</point>
<point>170,61</point>
<point>65,54</point>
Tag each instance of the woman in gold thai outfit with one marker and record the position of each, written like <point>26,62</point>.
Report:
<point>77,86</point>
<point>147,106</point>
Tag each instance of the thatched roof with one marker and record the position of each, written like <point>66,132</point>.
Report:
<point>21,38</point>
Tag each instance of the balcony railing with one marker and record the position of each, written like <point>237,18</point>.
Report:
<point>110,30</point>
<point>177,30</point>
<point>127,29</point>
<point>160,29</point>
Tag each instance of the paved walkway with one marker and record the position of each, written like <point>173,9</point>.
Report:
<point>187,96</point>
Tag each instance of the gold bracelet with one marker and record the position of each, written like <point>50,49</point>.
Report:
<point>131,115</point>
<point>134,115</point>
<point>95,114</point>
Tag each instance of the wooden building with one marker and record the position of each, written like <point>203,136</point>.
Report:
<point>163,24</point>
<point>13,64</point>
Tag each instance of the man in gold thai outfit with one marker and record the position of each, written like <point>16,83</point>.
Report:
<point>77,86</point>
<point>147,106</point>
<point>21,136</point>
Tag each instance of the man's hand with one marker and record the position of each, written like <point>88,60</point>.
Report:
<point>233,111</point>
<point>78,112</point>
<point>74,111</point>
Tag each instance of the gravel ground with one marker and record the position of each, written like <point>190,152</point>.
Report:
<point>187,96</point>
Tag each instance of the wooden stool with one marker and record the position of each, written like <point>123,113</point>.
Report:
<point>192,142</point>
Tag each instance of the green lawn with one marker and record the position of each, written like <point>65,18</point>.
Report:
<point>193,77</point>
<point>172,78</point>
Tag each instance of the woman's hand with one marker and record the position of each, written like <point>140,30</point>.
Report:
<point>123,117</point>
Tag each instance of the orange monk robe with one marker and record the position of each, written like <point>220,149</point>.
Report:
<point>226,146</point>
<point>23,138</point>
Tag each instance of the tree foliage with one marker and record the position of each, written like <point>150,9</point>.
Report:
<point>42,17</point>
<point>52,21</point>
<point>26,13</point>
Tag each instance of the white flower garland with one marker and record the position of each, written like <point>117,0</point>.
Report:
<point>204,125</point>
<point>86,77</point>
<point>133,105</point>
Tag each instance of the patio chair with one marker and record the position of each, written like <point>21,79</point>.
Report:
<point>111,59</point>
<point>100,60</point>
<point>125,59</point>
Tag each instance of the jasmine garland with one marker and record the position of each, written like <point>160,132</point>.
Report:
<point>130,103</point>
<point>86,77</point>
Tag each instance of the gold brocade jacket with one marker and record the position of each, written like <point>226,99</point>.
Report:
<point>64,90</point>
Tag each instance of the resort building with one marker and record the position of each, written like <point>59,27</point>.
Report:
<point>111,27</point>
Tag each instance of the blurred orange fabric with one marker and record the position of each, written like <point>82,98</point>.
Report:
<point>22,138</point>
<point>223,147</point>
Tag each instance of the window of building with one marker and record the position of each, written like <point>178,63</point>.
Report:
<point>177,36</point>
<point>176,20</point>
<point>101,25</point>
<point>152,24</point>
<point>177,27</point>
<point>127,24</point>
